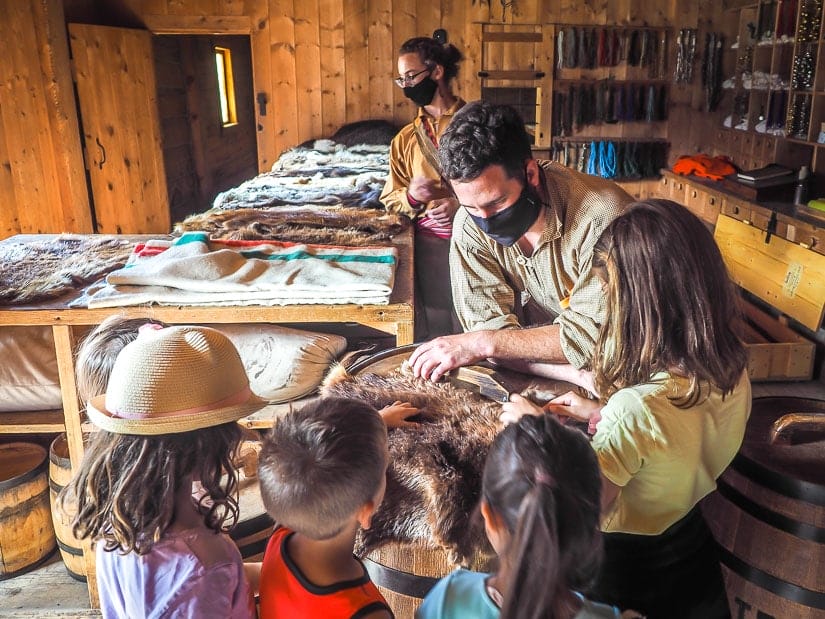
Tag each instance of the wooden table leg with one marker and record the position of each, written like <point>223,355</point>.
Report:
<point>64,349</point>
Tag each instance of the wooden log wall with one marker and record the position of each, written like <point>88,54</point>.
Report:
<point>317,64</point>
<point>176,125</point>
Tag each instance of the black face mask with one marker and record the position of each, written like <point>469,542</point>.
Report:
<point>508,226</point>
<point>422,93</point>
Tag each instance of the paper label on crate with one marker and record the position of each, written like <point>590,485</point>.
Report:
<point>792,277</point>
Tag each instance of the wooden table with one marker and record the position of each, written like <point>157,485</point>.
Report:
<point>395,319</point>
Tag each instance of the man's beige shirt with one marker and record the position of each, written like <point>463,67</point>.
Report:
<point>489,280</point>
<point>407,161</point>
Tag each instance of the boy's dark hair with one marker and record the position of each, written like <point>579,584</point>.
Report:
<point>431,53</point>
<point>542,479</point>
<point>321,463</point>
<point>483,134</point>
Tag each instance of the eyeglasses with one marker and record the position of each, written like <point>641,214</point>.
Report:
<point>409,80</point>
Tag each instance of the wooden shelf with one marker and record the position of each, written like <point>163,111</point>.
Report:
<point>32,422</point>
<point>610,80</point>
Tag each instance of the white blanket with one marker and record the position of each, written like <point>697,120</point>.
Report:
<point>194,270</point>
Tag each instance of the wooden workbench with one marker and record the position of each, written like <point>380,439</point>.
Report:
<point>67,323</point>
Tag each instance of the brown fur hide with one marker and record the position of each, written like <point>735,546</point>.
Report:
<point>318,225</point>
<point>34,272</point>
<point>434,477</point>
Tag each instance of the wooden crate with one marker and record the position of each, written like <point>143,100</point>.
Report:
<point>775,351</point>
<point>787,276</point>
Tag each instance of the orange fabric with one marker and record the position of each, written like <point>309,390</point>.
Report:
<point>285,591</point>
<point>715,168</point>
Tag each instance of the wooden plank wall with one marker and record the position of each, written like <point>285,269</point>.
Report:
<point>225,156</point>
<point>329,62</point>
<point>317,63</point>
<point>42,176</point>
<point>176,124</point>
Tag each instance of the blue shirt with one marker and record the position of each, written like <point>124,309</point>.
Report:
<point>463,594</point>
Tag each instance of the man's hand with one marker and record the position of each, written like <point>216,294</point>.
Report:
<point>435,358</point>
<point>442,210</point>
<point>426,190</point>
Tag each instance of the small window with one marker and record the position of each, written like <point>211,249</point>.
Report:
<point>226,86</point>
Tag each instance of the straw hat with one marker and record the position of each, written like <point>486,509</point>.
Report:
<point>174,380</point>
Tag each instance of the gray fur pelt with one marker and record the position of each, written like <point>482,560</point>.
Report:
<point>319,225</point>
<point>31,272</point>
<point>325,174</point>
<point>434,477</point>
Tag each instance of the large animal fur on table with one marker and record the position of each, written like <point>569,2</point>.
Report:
<point>434,477</point>
<point>307,224</point>
<point>31,272</point>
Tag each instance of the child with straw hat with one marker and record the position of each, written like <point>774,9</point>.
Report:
<point>168,418</point>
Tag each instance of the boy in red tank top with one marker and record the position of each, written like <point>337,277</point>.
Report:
<point>322,472</point>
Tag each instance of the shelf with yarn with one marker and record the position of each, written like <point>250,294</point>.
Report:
<point>610,83</point>
<point>619,159</point>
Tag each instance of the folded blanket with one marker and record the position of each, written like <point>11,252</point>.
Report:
<point>194,270</point>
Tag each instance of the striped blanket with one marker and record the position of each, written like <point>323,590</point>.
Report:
<point>194,270</point>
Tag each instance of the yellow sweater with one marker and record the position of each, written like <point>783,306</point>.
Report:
<point>666,458</point>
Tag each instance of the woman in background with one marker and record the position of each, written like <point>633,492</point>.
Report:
<point>415,188</point>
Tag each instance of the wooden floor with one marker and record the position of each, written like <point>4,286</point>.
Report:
<point>47,591</point>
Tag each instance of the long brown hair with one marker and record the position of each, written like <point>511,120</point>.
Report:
<point>127,484</point>
<point>671,304</point>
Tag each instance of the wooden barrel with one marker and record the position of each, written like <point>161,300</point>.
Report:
<point>26,532</point>
<point>60,473</point>
<point>768,517</point>
<point>403,571</point>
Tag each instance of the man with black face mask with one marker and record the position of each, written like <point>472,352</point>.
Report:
<point>415,188</point>
<point>521,252</point>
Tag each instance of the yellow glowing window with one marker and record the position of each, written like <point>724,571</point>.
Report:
<point>226,86</point>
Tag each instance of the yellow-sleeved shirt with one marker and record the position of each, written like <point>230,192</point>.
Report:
<point>407,160</point>
<point>489,280</point>
<point>666,458</point>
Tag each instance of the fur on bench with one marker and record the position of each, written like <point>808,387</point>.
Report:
<point>31,272</point>
<point>351,226</point>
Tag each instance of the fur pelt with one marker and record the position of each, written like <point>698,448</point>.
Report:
<point>434,477</point>
<point>327,226</point>
<point>31,272</point>
<point>366,132</point>
<point>325,174</point>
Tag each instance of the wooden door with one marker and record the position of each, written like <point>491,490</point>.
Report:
<point>115,75</point>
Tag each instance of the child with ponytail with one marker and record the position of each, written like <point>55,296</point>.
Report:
<point>540,504</point>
